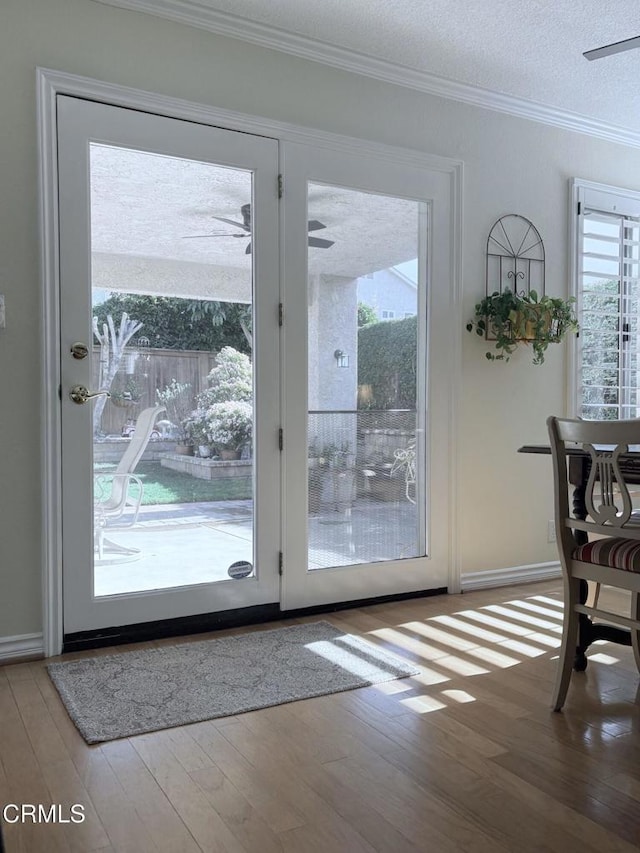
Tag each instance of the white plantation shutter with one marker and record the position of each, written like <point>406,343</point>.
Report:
<point>608,290</point>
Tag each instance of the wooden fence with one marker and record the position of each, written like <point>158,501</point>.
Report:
<point>147,372</point>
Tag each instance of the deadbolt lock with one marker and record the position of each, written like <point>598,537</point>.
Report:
<point>79,350</point>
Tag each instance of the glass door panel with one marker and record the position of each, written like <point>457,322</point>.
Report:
<point>169,285</point>
<point>367,408</point>
<point>366,440</point>
<point>172,302</point>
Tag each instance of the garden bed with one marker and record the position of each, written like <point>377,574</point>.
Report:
<point>111,449</point>
<point>206,469</point>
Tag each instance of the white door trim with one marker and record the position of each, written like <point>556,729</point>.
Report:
<point>50,83</point>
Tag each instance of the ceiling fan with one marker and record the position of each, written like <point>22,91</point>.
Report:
<point>245,225</point>
<point>615,47</point>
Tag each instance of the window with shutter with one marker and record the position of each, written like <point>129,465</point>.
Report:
<point>608,291</point>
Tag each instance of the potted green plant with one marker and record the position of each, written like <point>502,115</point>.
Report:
<point>331,477</point>
<point>230,427</point>
<point>509,319</point>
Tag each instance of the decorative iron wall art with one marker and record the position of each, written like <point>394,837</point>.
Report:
<point>515,308</point>
<point>515,257</point>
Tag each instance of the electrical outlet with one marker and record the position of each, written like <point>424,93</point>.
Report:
<point>551,531</point>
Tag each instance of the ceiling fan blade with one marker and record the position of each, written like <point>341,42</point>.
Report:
<point>232,222</point>
<point>314,225</point>
<point>245,210</point>
<point>320,243</point>
<point>198,236</point>
<point>615,47</point>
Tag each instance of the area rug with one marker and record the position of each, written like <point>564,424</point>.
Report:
<point>116,696</point>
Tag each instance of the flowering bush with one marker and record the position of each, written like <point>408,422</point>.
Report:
<point>230,424</point>
<point>230,379</point>
<point>224,413</point>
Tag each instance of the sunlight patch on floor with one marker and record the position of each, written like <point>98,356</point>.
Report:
<point>555,602</point>
<point>461,667</point>
<point>523,617</point>
<point>438,636</point>
<point>465,628</point>
<point>428,677</point>
<point>534,608</point>
<point>390,688</point>
<point>523,648</point>
<point>423,704</point>
<point>460,696</point>
<point>493,657</point>
<point>600,657</point>
<point>494,622</point>
<point>408,644</point>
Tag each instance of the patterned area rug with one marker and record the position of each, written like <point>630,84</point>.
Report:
<point>115,696</point>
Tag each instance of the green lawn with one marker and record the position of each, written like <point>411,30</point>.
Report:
<point>163,486</point>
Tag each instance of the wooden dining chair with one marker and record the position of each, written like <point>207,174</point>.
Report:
<point>604,547</point>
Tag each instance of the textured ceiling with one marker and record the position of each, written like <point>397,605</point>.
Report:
<point>529,49</point>
<point>148,208</point>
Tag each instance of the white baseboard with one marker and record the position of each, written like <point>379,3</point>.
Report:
<point>510,576</point>
<point>15,649</point>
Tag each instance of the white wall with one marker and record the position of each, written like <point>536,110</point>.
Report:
<point>511,166</point>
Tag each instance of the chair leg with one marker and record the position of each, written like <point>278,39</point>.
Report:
<point>569,641</point>
<point>635,633</point>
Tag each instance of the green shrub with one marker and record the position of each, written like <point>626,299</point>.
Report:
<point>387,355</point>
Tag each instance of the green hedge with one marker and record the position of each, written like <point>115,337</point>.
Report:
<point>387,364</point>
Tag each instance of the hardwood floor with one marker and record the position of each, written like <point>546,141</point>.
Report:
<point>466,756</point>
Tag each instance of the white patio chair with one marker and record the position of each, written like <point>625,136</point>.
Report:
<point>117,504</point>
<point>405,463</point>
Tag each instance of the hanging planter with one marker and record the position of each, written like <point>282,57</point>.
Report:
<point>512,313</point>
<point>124,402</point>
<point>128,396</point>
<point>508,319</point>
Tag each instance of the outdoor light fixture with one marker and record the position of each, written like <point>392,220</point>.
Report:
<point>342,359</point>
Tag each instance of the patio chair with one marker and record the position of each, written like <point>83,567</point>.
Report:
<point>117,503</point>
<point>405,463</point>
<point>613,558</point>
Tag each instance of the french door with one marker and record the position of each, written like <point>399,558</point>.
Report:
<point>370,515</point>
<point>167,535</point>
<point>307,336</point>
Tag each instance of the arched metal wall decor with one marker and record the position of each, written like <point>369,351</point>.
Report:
<point>515,257</point>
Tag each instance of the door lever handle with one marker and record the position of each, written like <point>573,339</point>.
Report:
<point>79,394</point>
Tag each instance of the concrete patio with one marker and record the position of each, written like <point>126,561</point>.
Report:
<point>182,544</point>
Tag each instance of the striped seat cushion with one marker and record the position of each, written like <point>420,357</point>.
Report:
<point>616,553</point>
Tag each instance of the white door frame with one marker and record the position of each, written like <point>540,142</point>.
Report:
<point>50,83</point>
<point>82,123</point>
<point>301,586</point>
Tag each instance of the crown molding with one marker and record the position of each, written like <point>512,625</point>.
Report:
<point>195,14</point>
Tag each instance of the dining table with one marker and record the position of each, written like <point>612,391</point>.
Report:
<point>579,462</point>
